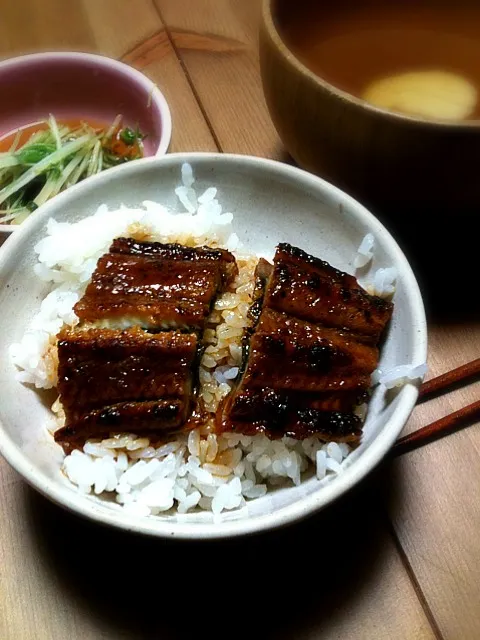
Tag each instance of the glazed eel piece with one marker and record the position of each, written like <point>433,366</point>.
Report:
<point>124,368</point>
<point>129,379</point>
<point>308,351</point>
<point>311,289</point>
<point>156,286</point>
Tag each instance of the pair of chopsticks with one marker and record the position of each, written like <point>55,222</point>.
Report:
<point>450,423</point>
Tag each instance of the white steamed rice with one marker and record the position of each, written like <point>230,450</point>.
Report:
<point>199,470</point>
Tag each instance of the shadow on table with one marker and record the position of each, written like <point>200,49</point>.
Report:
<point>279,585</point>
<point>443,250</point>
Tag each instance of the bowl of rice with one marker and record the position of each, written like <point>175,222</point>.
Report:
<point>199,484</point>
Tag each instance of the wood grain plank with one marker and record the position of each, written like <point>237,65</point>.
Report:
<point>217,42</point>
<point>34,26</point>
<point>118,26</point>
<point>32,603</point>
<point>433,496</point>
<point>435,511</point>
<point>158,60</point>
<point>110,26</point>
<point>67,577</point>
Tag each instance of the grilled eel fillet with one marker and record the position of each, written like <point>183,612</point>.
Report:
<point>156,286</point>
<point>309,288</point>
<point>113,379</point>
<point>309,350</point>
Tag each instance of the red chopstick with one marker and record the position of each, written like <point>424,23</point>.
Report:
<point>450,423</point>
<point>438,429</point>
<point>449,379</point>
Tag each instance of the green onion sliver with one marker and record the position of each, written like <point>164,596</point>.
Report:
<point>43,165</point>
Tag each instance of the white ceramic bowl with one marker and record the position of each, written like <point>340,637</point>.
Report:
<point>271,202</point>
<point>75,85</point>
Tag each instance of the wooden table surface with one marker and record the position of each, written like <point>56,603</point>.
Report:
<point>397,558</point>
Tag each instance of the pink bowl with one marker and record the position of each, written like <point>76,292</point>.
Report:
<point>73,86</point>
<point>82,85</point>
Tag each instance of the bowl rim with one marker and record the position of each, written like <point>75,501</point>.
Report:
<point>414,121</point>
<point>352,475</point>
<point>108,63</point>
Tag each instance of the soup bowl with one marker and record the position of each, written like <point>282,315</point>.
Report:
<point>392,162</point>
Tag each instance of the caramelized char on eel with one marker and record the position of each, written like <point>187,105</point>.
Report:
<point>132,362</point>
<point>308,351</point>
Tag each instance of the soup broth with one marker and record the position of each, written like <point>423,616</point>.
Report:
<point>409,58</point>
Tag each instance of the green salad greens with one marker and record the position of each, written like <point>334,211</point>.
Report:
<point>57,157</point>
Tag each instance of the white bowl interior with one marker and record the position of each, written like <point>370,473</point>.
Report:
<point>271,203</point>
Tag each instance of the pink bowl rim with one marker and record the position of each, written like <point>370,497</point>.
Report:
<point>126,70</point>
